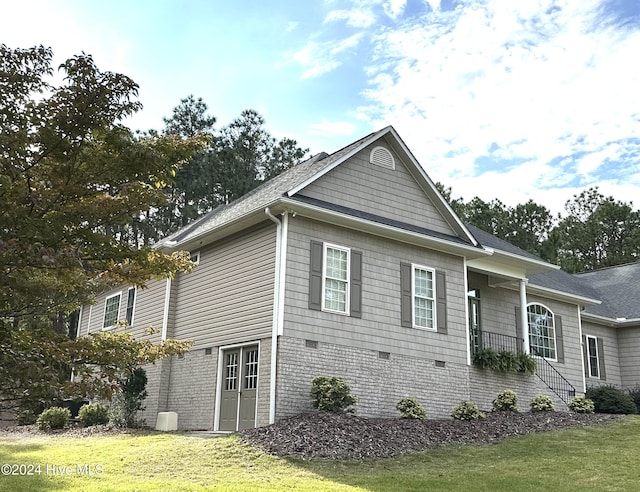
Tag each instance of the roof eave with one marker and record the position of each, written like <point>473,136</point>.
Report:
<point>371,227</point>
<point>562,295</point>
<point>605,320</point>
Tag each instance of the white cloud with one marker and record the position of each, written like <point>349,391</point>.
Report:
<point>354,18</point>
<point>318,58</point>
<point>394,8</point>
<point>292,26</point>
<point>532,81</point>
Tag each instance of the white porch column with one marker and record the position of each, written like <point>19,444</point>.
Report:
<point>524,318</point>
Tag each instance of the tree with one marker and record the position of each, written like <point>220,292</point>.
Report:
<point>72,178</point>
<point>527,226</point>
<point>70,173</point>
<point>598,232</point>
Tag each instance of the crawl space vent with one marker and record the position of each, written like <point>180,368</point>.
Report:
<point>382,157</point>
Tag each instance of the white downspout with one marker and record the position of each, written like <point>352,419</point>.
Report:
<point>278,303</point>
<point>524,318</point>
<point>165,313</point>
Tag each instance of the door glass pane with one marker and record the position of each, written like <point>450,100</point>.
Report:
<point>231,371</point>
<point>251,369</point>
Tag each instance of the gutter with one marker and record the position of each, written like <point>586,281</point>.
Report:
<point>282,227</point>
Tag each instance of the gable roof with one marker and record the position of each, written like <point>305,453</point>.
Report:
<point>619,289</point>
<point>283,189</point>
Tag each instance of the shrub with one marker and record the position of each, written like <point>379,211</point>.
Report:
<point>26,417</point>
<point>609,399</point>
<point>506,401</point>
<point>634,393</point>
<point>527,363</point>
<point>53,418</point>
<point>94,414</point>
<point>580,404</point>
<point>542,403</point>
<point>467,410</point>
<point>125,405</point>
<point>410,408</point>
<point>486,358</point>
<point>331,394</point>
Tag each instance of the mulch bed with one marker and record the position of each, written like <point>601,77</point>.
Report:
<point>331,436</point>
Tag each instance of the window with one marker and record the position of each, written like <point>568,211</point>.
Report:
<point>423,294</point>
<point>195,257</point>
<point>592,357</point>
<point>111,310</point>
<point>131,301</point>
<point>542,332</point>
<point>335,279</point>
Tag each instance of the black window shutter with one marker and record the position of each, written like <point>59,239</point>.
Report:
<point>356,284</point>
<point>405,295</point>
<point>315,276</point>
<point>585,355</point>
<point>603,372</point>
<point>559,340</point>
<point>519,333</point>
<point>441,301</point>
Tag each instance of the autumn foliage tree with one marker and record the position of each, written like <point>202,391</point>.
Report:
<point>71,176</point>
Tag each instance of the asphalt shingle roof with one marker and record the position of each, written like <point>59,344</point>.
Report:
<point>619,289</point>
<point>263,195</point>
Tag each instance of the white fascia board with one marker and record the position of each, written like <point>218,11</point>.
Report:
<point>226,229</point>
<point>376,228</point>
<point>562,296</point>
<point>615,322</point>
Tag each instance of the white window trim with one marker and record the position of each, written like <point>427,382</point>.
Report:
<point>197,257</point>
<point>326,246</point>
<point>595,339</point>
<point>133,309</point>
<point>104,313</point>
<point>414,267</point>
<point>555,333</point>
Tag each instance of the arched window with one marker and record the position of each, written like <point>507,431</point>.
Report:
<point>542,331</point>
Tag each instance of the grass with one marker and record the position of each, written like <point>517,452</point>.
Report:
<point>599,458</point>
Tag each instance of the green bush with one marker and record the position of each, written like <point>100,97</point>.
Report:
<point>53,418</point>
<point>580,404</point>
<point>26,417</point>
<point>467,410</point>
<point>527,363</point>
<point>506,401</point>
<point>504,361</point>
<point>609,399</point>
<point>94,414</point>
<point>634,393</point>
<point>542,403</point>
<point>486,358</point>
<point>331,394</point>
<point>125,405</point>
<point>410,408</point>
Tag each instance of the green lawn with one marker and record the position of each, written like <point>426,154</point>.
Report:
<point>596,458</point>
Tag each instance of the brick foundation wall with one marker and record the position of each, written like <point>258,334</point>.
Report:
<point>379,383</point>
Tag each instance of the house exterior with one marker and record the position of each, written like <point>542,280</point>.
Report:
<point>353,264</point>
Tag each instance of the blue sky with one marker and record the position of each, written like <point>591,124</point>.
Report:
<point>501,99</point>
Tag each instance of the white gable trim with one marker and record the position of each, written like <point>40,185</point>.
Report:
<point>442,203</point>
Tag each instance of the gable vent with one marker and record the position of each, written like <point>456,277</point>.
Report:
<point>382,157</point>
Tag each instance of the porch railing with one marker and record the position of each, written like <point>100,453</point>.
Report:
<point>545,371</point>
<point>481,339</point>
<point>555,381</point>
